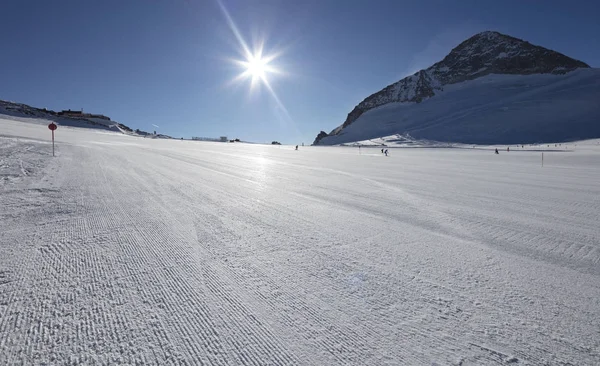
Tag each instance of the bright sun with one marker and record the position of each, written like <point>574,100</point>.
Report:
<point>256,67</point>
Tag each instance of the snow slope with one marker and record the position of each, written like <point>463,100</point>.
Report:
<point>26,113</point>
<point>507,109</point>
<point>123,250</point>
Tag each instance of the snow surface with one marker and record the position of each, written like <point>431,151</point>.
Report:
<point>511,109</point>
<point>405,141</point>
<point>124,250</point>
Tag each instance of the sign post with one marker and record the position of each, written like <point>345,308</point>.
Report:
<point>52,126</point>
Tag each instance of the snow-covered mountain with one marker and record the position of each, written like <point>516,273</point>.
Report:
<point>24,112</point>
<point>492,88</point>
<point>20,110</point>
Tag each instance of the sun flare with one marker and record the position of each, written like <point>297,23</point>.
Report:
<point>256,67</point>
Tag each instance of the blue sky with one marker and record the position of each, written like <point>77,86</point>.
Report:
<point>169,62</point>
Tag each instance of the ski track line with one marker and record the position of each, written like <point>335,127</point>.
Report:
<point>253,362</point>
<point>208,274</point>
<point>168,281</point>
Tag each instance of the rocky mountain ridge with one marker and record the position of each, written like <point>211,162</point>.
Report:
<point>483,54</point>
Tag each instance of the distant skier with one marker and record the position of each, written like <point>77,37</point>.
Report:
<point>386,152</point>
<point>382,151</point>
<point>508,149</point>
<point>497,151</point>
<point>296,147</point>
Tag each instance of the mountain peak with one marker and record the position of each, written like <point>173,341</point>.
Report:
<point>490,35</point>
<point>492,52</point>
<point>484,53</point>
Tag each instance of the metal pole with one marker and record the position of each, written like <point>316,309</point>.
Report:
<point>542,159</point>
<point>52,142</point>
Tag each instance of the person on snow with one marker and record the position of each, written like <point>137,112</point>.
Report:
<point>497,151</point>
<point>385,152</point>
<point>296,147</point>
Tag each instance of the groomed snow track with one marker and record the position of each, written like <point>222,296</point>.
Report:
<point>124,250</point>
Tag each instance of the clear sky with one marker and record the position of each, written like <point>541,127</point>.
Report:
<point>170,63</point>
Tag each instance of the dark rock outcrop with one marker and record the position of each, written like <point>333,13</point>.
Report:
<point>321,135</point>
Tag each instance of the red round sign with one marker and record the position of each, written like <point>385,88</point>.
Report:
<point>52,126</point>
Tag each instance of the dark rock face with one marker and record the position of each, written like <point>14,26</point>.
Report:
<point>495,53</point>
<point>484,53</point>
<point>319,137</point>
<point>414,88</point>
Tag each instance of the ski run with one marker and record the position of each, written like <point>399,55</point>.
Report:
<point>125,250</point>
